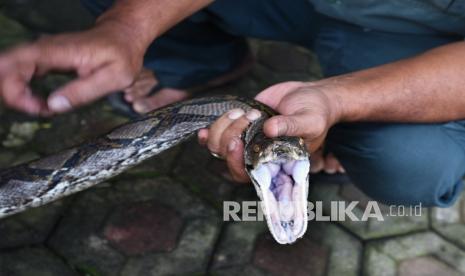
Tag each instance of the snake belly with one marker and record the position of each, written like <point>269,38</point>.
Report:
<point>50,178</point>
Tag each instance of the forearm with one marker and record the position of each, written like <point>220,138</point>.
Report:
<point>426,88</point>
<point>145,20</point>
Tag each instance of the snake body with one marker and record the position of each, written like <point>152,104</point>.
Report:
<point>50,178</point>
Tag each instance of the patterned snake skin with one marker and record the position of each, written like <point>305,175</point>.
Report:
<point>41,181</point>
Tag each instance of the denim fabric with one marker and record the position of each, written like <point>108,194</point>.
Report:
<point>399,16</point>
<point>393,163</point>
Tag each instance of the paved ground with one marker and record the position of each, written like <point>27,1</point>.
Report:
<point>165,216</point>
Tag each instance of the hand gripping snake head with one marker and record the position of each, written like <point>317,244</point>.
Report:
<point>279,169</point>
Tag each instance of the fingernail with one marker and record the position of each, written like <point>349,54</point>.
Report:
<point>235,113</point>
<point>330,170</point>
<point>232,145</point>
<point>282,128</point>
<point>139,107</point>
<point>59,103</point>
<point>253,115</point>
<point>202,141</point>
<point>128,97</point>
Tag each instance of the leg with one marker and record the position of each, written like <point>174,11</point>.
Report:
<point>402,163</point>
<point>393,163</point>
<point>344,48</point>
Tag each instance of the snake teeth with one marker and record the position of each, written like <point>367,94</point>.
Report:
<point>284,197</point>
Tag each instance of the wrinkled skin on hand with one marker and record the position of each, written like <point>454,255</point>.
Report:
<point>306,110</point>
<point>101,58</point>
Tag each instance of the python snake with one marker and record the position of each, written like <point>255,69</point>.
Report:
<point>278,167</point>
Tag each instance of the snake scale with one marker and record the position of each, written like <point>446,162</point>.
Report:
<point>278,167</point>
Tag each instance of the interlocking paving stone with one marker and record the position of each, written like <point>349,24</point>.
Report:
<point>386,257</point>
<point>203,174</point>
<point>33,261</point>
<point>74,128</point>
<point>30,227</point>
<point>425,266</point>
<point>372,228</point>
<point>50,16</point>
<point>237,244</point>
<point>190,257</point>
<point>450,222</point>
<point>112,229</point>
<point>326,249</point>
<point>11,32</point>
<point>269,255</point>
<point>137,229</point>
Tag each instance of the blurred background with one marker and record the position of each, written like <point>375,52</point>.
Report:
<point>164,217</point>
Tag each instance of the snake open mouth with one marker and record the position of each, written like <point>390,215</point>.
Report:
<point>283,186</point>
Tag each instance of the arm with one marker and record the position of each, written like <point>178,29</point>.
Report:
<point>426,88</point>
<point>146,20</point>
<point>106,57</point>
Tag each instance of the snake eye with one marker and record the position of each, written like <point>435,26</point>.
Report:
<point>256,148</point>
<point>301,142</point>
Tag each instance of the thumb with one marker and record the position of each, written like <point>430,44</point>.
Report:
<point>292,125</point>
<point>273,95</point>
<point>83,91</point>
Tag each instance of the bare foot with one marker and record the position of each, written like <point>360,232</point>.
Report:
<point>137,94</point>
<point>329,163</point>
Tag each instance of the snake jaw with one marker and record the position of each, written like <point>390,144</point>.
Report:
<point>282,187</point>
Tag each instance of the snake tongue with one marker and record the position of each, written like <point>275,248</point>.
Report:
<point>283,189</point>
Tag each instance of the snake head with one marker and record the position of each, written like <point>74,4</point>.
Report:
<point>279,172</point>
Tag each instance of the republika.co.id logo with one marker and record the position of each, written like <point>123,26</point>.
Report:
<point>339,211</point>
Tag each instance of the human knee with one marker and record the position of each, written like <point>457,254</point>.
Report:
<point>411,180</point>
<point>401,163</point>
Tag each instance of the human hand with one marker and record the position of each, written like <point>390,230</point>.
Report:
<point>307,110</point>
<point>104,58</point>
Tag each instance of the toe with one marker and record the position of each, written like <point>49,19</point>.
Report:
<point>317,161</point>
<point>331,164</point>
<point>141,87</point>
<point>162,98</point>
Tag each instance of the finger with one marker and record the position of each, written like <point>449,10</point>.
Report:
<point>140,89</point>
<point>202,136</point>
<point>52,55</point>
<point>17,68</point>
<point>293,125</point>
<point>235,130</point>
<point>273,95</point>
<point>219,126</point>
<point>232,147</point>
<point>235,161</point>
<point>84,90</point>
<point>19,96</point>
<point>331,164</point>
<point>232,132</point>
<point>317,162</point>
<point>161,98</point>
<point>48,56</point>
